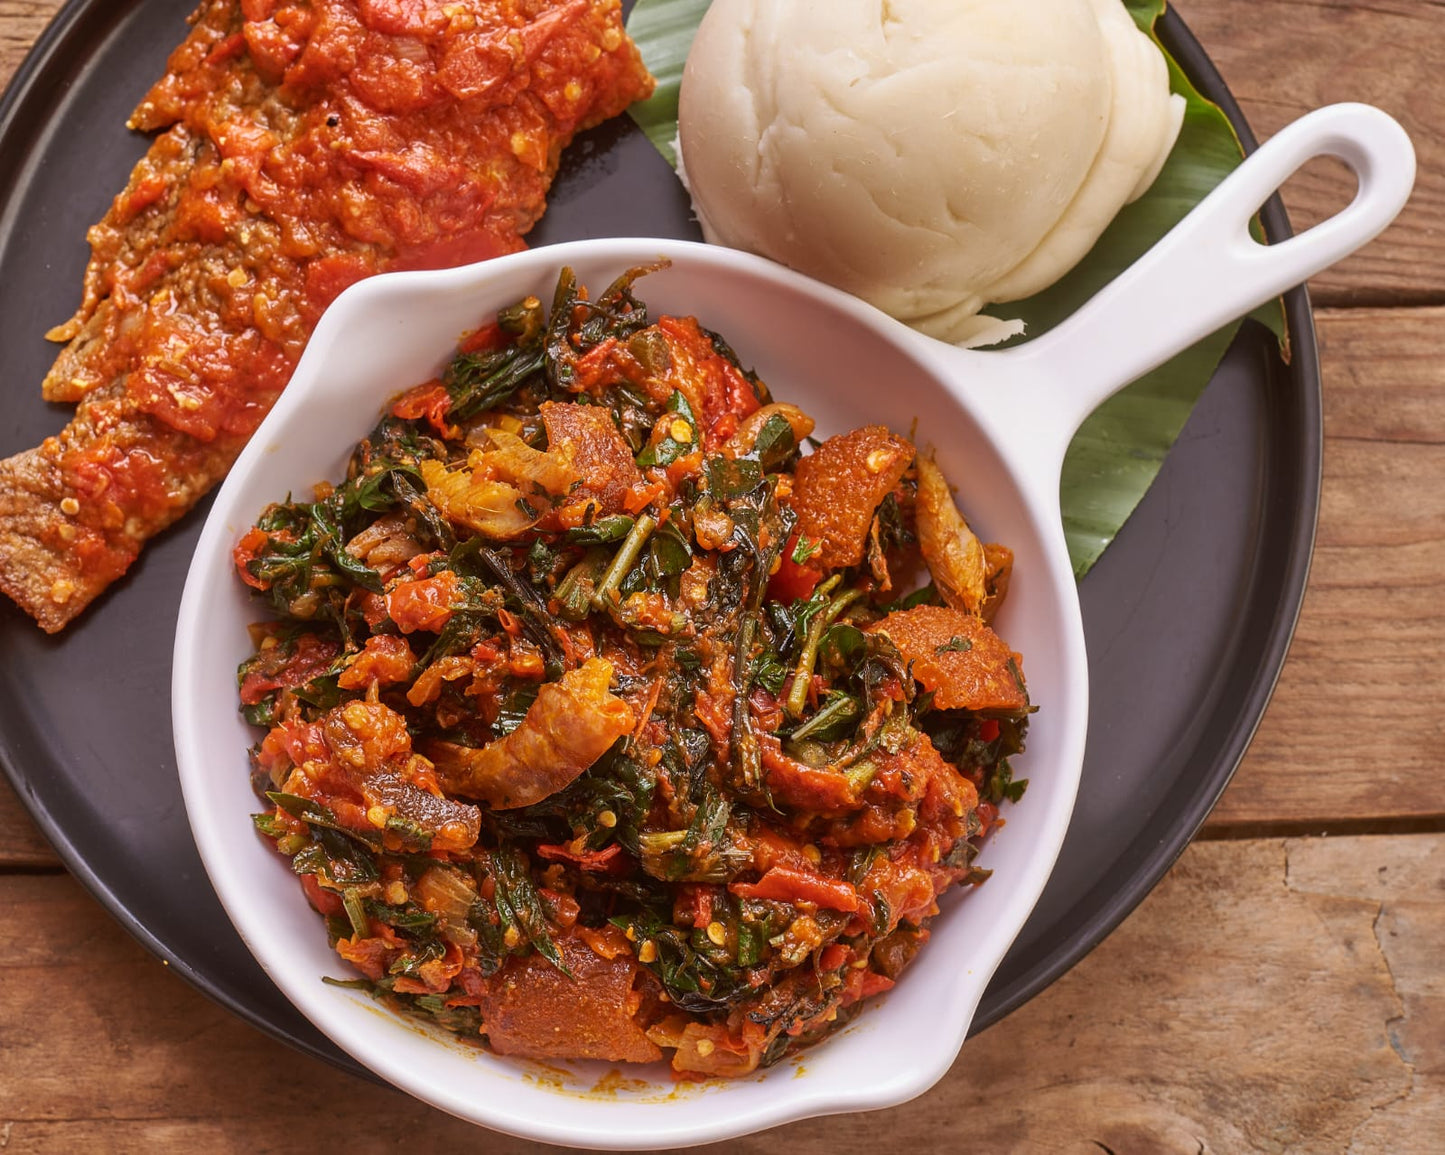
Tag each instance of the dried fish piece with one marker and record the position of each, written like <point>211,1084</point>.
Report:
<point>303,147</point>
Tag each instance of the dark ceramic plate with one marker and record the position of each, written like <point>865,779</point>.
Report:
<point>1187,615</point>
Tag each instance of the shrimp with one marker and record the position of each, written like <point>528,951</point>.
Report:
<point>741,443</point>
<point>570,725</point>
<point>502,491</point>
<point>952,551</point>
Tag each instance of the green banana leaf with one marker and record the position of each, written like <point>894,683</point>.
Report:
<point>1116,455</point>
<point>663,31</point>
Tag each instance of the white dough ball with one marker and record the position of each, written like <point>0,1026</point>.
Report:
<point>929,156</point>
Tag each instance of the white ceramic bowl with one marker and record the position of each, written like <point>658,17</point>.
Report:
<point>1000,423</point>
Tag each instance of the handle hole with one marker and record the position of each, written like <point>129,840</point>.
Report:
<point>1317,190</point>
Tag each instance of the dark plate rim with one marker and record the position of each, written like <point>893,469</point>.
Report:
<point>80,20</point>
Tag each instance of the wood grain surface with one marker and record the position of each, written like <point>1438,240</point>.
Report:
<point>1282,58</point>
<point>21,845</point>
<point>1355,731</point>
<point>1274,994</point>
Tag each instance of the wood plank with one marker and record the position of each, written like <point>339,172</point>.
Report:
<point>1355,728</point>
<point>21,844</point>
<point>1409,930</point>
<point>1282,58</point>
<point>1269,996</point>
<point>21,21</point>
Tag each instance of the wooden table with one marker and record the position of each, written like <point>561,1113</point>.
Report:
<point>1283,988</point>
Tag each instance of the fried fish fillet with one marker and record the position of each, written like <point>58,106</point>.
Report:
<point>302,147</point>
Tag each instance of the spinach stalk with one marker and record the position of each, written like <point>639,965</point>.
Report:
<point>797,698</point>
<point>625,559</point>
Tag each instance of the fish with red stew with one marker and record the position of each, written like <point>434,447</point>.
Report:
<point>304,145</point>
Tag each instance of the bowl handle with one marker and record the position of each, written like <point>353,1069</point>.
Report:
<point>1204,273</point>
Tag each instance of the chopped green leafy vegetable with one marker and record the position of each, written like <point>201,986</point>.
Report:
<point>602,764</point>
